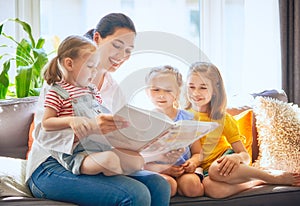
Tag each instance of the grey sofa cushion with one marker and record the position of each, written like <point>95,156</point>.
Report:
<point>269,195</point>
<point>16,116</point>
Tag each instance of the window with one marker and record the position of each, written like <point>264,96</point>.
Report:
<point>240,36</point>
<point>164,23</point>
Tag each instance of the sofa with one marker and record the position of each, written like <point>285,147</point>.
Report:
<point>14,138</point>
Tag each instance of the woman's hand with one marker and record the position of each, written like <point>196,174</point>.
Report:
<point>172,156</point>
<point>228,164</point>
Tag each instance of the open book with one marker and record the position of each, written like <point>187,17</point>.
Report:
<point>152,133</point>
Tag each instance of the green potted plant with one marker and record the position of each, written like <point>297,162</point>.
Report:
<point>28,59</point>
<point>19,91</point>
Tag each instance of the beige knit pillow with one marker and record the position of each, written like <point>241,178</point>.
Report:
<point>278,127</point>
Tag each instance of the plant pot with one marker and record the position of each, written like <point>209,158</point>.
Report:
<point>16,116</point>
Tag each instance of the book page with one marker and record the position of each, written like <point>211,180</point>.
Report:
<point>180,135</point>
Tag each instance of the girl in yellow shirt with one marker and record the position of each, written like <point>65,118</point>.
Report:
<point>224,159</point>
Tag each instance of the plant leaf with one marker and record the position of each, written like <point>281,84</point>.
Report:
<point>41,61</point>
<point>23,79</point>
<point>40,43</point>
<point>1,28</point>
<point>23,51</point>
<point>34,92</point>
<point>26,28</point>
<point>4,79</point>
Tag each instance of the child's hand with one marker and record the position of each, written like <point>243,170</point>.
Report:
<point>81,126</point>
<point>189,166</point>
<point>228,164</point>
<point>174,171</point>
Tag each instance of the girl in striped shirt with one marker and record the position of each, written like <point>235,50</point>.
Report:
<point>71,103</point>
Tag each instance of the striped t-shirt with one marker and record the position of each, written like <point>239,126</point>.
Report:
<point>63,107</point>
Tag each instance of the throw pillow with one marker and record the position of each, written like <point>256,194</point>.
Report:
<point>278,126</point>
<point>244,121</point>
<point>280,95</point>
<point>30,138</point>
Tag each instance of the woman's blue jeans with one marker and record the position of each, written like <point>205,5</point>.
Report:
<point>52,181</point>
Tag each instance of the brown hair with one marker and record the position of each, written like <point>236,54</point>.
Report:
<point>69,47</point>
<point>219,100</point>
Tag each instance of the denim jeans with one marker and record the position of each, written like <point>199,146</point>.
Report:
<point>52,181</point>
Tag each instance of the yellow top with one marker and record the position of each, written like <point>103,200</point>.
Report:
<point>218,141</point>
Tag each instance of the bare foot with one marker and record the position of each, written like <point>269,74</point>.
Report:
<point>254,183</point>
<point>285,178</point>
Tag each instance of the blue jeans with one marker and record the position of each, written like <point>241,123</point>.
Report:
<point>52,181</point>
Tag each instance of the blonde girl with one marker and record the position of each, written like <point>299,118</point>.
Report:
<point>163,88</point>
<point>225,159</point>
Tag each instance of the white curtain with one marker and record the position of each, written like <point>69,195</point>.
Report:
<point>242,38</point>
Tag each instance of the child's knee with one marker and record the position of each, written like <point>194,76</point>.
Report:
<point>130,161</point>
<point>107,160</point>
<point>190,185</point>
<point>173,184</point>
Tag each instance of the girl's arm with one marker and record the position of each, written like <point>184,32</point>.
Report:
<point>229,163</point>
<point>191,164</point>
<point>81,126</point>
<point>50,120</point>
<point>239,148</point>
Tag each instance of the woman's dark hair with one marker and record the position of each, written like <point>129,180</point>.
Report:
<point>109,23</point>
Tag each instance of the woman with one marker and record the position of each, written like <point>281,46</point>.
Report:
<point>113,53</point>
<point>46,178</point>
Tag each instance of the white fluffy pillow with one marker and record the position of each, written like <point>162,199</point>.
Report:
<point>278,127</point>
<point>12,177</point>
